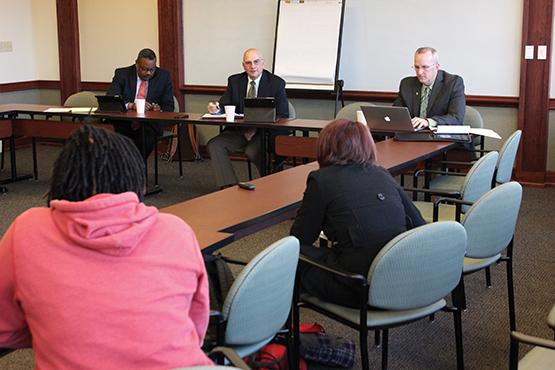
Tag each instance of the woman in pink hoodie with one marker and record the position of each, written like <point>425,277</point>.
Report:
<point>99,280</point>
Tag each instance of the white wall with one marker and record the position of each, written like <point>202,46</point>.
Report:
<point>45,34</point>
<point>22,22</point>
<point>480,40</point>
<point>111,33</point>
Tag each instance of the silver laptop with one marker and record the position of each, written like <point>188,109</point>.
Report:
<point>387,119</point>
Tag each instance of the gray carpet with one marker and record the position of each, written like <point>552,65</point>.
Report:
<point>421,345</point>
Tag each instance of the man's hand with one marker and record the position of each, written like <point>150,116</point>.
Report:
<point>213,107</point>
<point>131,106</point>
<point>419,123</point>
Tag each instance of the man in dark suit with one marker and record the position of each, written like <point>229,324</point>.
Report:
<point>143,80</point>
<point>433,96</point>
<point>255,81</point>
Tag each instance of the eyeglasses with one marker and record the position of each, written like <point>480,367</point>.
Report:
<point>425,68</point>
<point>253,62</point>
<point>146,70</point>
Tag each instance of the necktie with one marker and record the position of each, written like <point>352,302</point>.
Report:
<point>252,90</point>
<point>249,132</point>
<point>141,94</point>
<point>424,102</point>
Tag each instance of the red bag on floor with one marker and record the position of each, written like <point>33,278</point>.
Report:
<point>272,356</point>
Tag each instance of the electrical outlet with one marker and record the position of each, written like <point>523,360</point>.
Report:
<point>6,46</point>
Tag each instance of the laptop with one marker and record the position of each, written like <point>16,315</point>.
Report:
<point>397,120</point>
<point>109,103</point>
<point>260,109</point>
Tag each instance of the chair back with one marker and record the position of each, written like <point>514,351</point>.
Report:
<point>478,180</point>
<point>473,118</point>
<point>490,222</point>
<point>259,301</point>
<point>82,99</point>
<point>418,267</point>
<point>292,112</point>
<point>175,104</point>
<point>507,156</point>
<point>350,111</point>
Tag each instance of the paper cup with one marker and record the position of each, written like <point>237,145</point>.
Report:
<point>229,113</point>
<point>360,117</point>
<point>140,106</point>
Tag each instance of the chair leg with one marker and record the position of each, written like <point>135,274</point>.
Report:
<point>459,338</point>
<point>432,318</point>
<point>35,170</point>
<point>363,333</point>
<point>511,295</point>
<point>385,337</point>
<point>156,164</point>
<point>377,338</point>
<point>513,359</point>
<point>250,169</point>
<point>488,277</point>
<point>2,155</point>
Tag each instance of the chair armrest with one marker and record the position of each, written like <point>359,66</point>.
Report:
<point>230,355</point>
<point>231,260</point>
<point>458,210</point>
<point>436,172</point>
<point>349,275</point>
<point>534,341</point>
<point>459,163</point>
<point>444,193</point>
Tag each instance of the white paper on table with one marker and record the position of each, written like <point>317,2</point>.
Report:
<point>485,132</point>
<point>453,129</point>
<point>220,115</point>
<point>83,110</point>
<point>57,110</point>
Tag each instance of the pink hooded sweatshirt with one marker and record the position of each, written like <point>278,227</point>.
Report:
<point>106,283</point>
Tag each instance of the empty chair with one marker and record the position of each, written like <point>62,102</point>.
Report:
<point>503,167</point>
<point>473,118</point>
<point>490,225</point>
<point>259,301</point>
<point>475,184</point>
<point>350,110</point>
<point>407,281</point>
<point>541,357</point>
<point>168,135</point>
<point>81,99</point>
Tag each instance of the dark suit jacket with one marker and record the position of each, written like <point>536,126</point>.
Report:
<point>270,86</point>
<point>447,103</point>
<point>160,90</point>
<point>360,209</point>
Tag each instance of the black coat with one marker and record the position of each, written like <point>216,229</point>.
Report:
<point>160,90</point>
<point>359,209</point>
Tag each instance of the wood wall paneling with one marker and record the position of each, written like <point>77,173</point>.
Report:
<point>533,107</point>
<point>68,47</point>
<point>170,43</point>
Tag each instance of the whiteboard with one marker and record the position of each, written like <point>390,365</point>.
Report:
<point>308,38</point>
<point>476,39</point>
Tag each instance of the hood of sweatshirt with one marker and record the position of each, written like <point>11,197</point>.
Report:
<point>112,224</point>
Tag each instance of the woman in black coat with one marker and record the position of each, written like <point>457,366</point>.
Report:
<point>357,204</point>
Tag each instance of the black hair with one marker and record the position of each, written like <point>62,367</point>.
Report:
<point>93,161</point>
<point>147,54</point>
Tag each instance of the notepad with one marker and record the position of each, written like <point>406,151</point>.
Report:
<point>453,129</point>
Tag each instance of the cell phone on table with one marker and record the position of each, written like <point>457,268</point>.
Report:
<point>246,185</point>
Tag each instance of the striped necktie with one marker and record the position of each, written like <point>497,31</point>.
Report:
<point>141,94</point>
<point>252,90</point>
<point>424,102</point>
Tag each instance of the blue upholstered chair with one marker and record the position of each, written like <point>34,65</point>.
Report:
<point>541,357</point>
<point>407,281</point>
<point>259,301</point>
<point>490,225</point>
<point>475,183</point>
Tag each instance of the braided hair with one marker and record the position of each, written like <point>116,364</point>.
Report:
<point>93,161</point>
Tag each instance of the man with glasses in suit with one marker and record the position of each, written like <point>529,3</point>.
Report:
<point>255,81</point>
<point>433,96</point>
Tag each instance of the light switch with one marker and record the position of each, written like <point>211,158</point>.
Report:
<point>542,52</point>
<point>529,52</point>
<point>6,46</point>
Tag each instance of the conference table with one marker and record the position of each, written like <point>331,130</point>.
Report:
<point>228,215</point>
<point>16,125</point>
